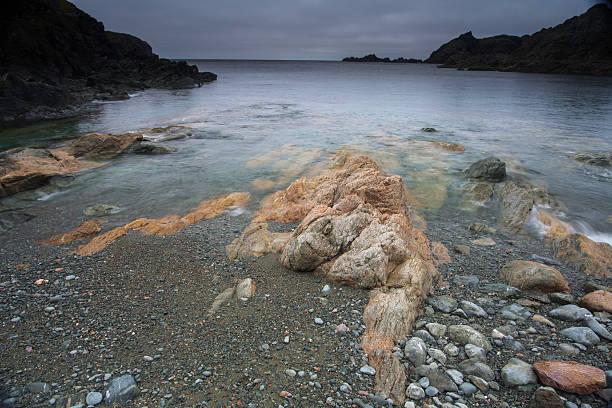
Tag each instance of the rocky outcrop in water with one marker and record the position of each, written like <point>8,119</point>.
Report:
<point>25,169</point>
<point>375,58</point>
<point>603,159</point>
<point>55,57</point>
<point>581,45</point>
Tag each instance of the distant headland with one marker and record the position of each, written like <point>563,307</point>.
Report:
<point>375,58</point>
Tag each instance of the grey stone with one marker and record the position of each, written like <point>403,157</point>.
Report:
<point>94,398</point>
<point>455,375</point>
<point>437,377</point>
<point>431,391</point>
<point>425,336</point>
<point>473,351</point>
<point>568,349</point>
<point>597,327</point>
<point>318,320</point>
<point>581,335</point>
<point>451,350</point>
<point>437,355</point>
<point>424,382</point>
<point>464,334</point>
<point>326,290</point>
<point>561,298</point>
<point>121,390</point>
<point>416,351</point>
<point>436,329</point>
<point>515,311</point>
<point>472,309</point>
<point>468,389</point>
<point>366,369</point>
<point>475,366</point>
<point>443,303</point>
<point>38,387</point>
<point>569,313</point>
<point>469,281</point>
<point>546,397</point>
<point>415,392</point>
<point>518,372</point>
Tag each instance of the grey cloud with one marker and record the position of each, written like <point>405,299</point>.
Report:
<point>320,29</point>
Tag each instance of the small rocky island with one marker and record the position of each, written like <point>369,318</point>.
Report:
<point>55,58</point>
<point>581,45</point>
<point>375,58</point>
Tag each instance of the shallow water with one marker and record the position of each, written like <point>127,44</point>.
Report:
<point>262,124</point>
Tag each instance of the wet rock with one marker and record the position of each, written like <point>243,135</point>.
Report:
<point>444,303</point>
<point>517,200</point>
<point>122,390</point>
<point>472,309</point>
<point>533,276</point>
<point>517,372</point>
<point>603,159</point>
<point>546,397</point>
<point>581,335</point>
<point>570,376</point>
<point>416,351</point>
<point>151,149</point>
<point>489,169</point>
<point>101,146</point>
<point>437,378</point>
<point>569,313</point>
<point>101,210</point>
<point>597,301</point>
<point>590,257</point>
<point>464,334</point>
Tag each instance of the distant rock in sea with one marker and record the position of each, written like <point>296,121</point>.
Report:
<point>580,45</point>
<point>55,57</point>
<point>374,58</point>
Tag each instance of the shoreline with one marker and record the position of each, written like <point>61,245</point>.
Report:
<point>203,359</point>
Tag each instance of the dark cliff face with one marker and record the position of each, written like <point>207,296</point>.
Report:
<point>54,57</point>
<point>581,45</point>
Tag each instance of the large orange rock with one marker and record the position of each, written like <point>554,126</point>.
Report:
<point>86,229</point>
<point>356,227</point>
<point>528,275</point>
<point>592,258</point>
<point>597,301</point>
<point>570,376</point>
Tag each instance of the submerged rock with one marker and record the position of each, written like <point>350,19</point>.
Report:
<point>489,169</point>
<point>603,159</point>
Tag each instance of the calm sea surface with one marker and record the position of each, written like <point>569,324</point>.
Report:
<point>262,124</point>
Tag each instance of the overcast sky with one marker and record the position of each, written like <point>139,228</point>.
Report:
<point>320,29</point>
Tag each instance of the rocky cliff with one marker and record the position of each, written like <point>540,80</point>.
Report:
<point>580,45</point>
<point>375,58</point>
<point>54,57</point>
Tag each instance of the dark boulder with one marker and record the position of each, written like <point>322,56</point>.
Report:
<point>55,57</point>
<point>603,159</point>
<point>580,45</point>
<point>489,169</point>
